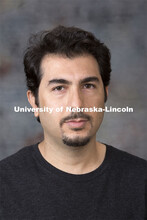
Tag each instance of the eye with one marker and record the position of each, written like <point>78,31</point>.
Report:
<point>58,88</point>
<point>89,86</point>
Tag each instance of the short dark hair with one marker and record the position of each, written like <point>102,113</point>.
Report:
<point>66,41</point>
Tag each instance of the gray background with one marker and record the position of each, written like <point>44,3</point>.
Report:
<point>121,24</point>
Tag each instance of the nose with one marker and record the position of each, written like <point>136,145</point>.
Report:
<point>75,99</point>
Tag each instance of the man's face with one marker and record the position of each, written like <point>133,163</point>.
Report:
<point>70,82</point>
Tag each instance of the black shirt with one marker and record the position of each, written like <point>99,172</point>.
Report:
<point>33,189</point>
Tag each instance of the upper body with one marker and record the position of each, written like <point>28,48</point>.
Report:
<point>69,67</point>
<point>31,188</point>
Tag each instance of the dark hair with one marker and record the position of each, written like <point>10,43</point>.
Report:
<point>66,41</point>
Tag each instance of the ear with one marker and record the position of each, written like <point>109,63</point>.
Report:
<point>31,100</point>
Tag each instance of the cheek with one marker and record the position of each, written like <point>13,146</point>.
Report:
<point>50,121</point>
<point>96,101</point>
<point>46,100</point>
<point>97,119</point>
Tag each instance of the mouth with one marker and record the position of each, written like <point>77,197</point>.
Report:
<point>76,123</point>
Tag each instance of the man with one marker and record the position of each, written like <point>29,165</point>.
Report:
<point>69,175</point>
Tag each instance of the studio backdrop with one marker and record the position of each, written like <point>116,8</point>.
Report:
<point>121,25</point>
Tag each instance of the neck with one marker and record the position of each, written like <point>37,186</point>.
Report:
<point>74,160</point>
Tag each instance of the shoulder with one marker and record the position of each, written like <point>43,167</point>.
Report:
<point>126,162</point>
<point>18,160</point>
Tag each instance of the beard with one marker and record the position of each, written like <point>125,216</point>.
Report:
<point>75,142</point>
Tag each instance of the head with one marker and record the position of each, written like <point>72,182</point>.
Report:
<point>67,56</point>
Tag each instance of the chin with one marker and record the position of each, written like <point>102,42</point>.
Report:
<point>76,141</point>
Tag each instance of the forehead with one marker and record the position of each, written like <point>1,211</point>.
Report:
<point>70,68</point>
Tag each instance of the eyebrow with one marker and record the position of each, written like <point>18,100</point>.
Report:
<point>90,79</point>
<point>64,81</point>
<point>59,81</point>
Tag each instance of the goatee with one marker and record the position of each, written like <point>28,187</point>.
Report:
<point>75,142</point>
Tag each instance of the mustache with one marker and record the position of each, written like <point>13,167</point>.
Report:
<point>75,116</point>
